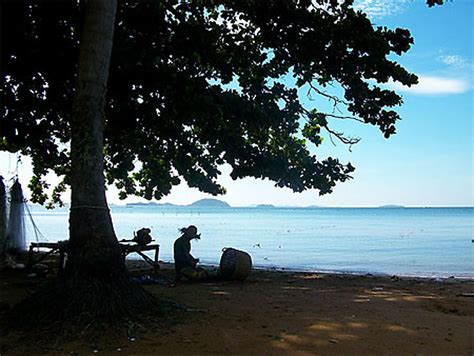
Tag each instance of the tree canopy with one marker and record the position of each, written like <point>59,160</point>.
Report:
<point>198,84</point>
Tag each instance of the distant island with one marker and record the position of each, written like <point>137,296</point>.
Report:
<point>265,206</point>
<point>152,203</point>
<point>216,203</point>
<point>391,206</point>
<point>210,203</point>
<point>198,203</point>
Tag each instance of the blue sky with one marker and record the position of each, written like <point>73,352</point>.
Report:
<point>429,161</point>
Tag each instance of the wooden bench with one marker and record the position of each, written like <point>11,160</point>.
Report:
<point>62,248</point>
<point>139,249</point>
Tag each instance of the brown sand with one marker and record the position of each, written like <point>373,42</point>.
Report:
<point>274,313</point>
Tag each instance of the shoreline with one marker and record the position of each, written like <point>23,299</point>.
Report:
<point>438,278</point>
<point>366,274</point>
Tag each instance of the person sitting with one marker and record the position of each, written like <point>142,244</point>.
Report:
<point>184,263</point>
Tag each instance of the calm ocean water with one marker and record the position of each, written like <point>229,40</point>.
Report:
<point>434,242</point>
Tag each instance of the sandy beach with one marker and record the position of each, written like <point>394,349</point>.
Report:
<point>287,313</point>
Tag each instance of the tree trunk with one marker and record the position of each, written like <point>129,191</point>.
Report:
<point>94,247</point>
<point>96,286</point>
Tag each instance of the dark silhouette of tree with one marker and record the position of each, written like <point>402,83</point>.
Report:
<point>90,221</point>
<point>434,2</point>
<point>97,283</point>
<point>169,118</point>
<point>192,86</point>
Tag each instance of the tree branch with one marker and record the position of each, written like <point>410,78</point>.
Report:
<point>340,136</point>
<point>334,98</point>
<point>345,117</point>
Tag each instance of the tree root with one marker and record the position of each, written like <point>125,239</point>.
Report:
<point>80,305</point>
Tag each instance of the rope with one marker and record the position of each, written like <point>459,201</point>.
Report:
<point>36,229</point>
<point>18,160</point>
<point>89,207</point>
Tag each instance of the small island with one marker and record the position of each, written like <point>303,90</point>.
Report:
<point>141,204</point>
<point>391,206</point>
<point>149,204</point>
<point>265,206</point>
<point>214,203</point>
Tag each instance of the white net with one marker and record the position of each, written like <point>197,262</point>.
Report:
<point>16,239</point>
<point>3,217</point>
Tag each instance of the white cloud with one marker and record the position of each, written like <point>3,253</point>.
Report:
<point>454,61</point>
<point>377,9</point>
<point>431,85</point>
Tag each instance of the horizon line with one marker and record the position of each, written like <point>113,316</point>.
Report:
<point>269,205</point>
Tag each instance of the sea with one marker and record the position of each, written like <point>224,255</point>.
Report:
<point>420,242</point>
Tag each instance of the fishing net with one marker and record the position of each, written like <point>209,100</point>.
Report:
<point>16,239</point>
<point>3,217</point>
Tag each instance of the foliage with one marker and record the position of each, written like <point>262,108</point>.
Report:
<point>195,85</point>
<point>434,2</point>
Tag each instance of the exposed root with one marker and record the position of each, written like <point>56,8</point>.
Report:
<point>84,305</point>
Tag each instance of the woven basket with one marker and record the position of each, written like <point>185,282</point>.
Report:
<point>235,264</point>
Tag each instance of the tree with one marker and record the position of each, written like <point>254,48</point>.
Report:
<point>165,54</point>
<point>192,86</point>
<point>97,281</point>
<point>90,221</point>
<point>95,258</point>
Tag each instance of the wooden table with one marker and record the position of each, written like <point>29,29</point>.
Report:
<point>139,249</point>
<point>62,248</point>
